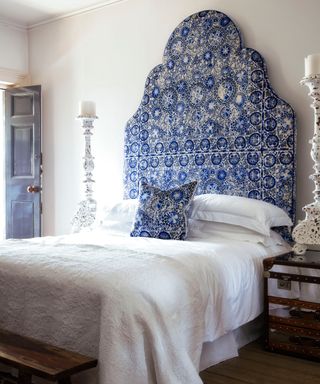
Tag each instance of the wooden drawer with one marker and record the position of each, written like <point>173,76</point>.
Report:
<point>295,317</point>
<point>301,342</point>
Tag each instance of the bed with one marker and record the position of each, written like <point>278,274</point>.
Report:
<point>154,310</point>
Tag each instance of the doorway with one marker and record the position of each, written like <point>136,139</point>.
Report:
<point>23,159</point>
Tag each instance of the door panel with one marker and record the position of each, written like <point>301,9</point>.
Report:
<point>22,105</point>
<point>22,151</point>
<point>21,211</point>
<point>23,162</point>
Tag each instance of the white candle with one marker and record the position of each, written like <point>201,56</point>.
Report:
<point>87,108</point>
<point>312,64</point>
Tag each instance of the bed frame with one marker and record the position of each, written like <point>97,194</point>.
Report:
<point>208,113</point>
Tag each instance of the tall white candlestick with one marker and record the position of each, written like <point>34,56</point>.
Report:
<point>87,108</point>
<point>312,64</point>
<point>86,213</point>
<point>307,231</point>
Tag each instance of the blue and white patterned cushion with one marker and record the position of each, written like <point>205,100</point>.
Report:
<point>162,214</point>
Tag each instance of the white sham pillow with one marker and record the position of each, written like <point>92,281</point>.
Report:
<point>253,214</point>
<point>115,226</point>
<point>122,211</point>
<point>211,231</point>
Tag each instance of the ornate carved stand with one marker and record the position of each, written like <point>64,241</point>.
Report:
<point>307,232</point>
<point>86,213</point>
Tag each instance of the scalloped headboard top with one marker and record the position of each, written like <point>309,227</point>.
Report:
<point>208,113</point>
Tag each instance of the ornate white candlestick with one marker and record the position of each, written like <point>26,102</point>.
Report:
<point>307,232</point>
<point>86,213</point>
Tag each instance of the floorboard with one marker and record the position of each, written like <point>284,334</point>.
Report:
<point>256,366</point>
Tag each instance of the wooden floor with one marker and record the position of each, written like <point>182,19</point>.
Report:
<point>256,366</point>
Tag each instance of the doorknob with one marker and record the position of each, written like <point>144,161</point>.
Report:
<point>33,189</point>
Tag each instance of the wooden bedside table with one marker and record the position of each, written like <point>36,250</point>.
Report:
<point>293,328</point>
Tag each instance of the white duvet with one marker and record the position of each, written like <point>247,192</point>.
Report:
<point>143,307</point>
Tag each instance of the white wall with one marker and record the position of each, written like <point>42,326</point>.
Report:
<point>106,55</point>
<point>13,51</point>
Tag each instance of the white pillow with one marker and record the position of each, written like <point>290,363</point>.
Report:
<point>211,231</point>
<point>253,214</point>
<point>122,211</point>
<point>115,226</point>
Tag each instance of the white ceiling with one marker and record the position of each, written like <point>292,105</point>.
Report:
<point>26,13</point>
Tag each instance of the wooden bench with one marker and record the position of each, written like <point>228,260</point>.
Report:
<point>32,357</point>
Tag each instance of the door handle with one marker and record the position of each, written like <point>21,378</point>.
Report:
<point>33,189</point>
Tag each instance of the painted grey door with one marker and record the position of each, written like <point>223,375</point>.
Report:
<point>23,161</point>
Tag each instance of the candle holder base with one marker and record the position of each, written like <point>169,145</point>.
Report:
<point>85,215</point>
<point>307,232</point>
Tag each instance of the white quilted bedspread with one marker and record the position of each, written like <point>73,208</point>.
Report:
<point>144,307</point>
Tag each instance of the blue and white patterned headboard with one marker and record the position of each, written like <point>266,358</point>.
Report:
<point>208,113</point>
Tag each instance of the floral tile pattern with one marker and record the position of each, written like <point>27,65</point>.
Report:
<point>209,114</point>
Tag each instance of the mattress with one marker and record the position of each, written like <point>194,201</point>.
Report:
<point>144,307</point>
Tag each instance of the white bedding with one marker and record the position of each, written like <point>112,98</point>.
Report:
<point>144,307</point>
